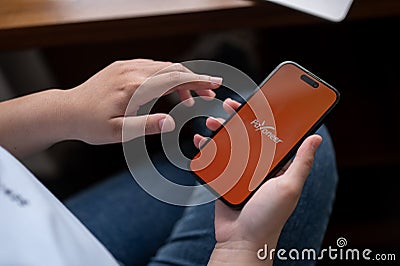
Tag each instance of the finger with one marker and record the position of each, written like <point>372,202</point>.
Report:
<point>202,88</point>
<point>136,126</point>
<point>199,140</point>
<point>186,97</point>
<point>214,123</point>
<point>207,95</point>
<point>230,106</point>
<point>303,161</point>
<point>159,85</point>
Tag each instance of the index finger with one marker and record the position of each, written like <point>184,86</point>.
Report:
<point>165,83</point>
<point>230,106</point>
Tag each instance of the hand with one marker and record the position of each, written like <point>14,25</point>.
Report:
<point>100,103</point>
<point>240,234</point>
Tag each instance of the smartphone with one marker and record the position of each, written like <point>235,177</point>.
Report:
<point>264,133</point>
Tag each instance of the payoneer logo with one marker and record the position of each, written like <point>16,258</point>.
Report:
<point>266,130</point>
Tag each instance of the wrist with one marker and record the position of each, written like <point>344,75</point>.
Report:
<point>64,116</point>
<point>242,252</point>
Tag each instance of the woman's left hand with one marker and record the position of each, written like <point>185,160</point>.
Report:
<point>100,104</point>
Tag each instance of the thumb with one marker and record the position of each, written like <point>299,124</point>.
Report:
<point>137,126</point>
<point>302,163</point>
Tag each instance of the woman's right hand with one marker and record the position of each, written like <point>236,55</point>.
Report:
<point>241,233</point>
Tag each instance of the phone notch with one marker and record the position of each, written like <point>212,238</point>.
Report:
<point>309,81</point>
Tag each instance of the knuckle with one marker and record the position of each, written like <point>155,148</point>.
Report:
<point>175,76</point>
<point>159,66</point>
<point>165,65</point>
<point>118,63</point>
<point>203,78</point>
<point>123,67</point>
<point>132,86</point>
<point>150,127</point>
<point>179,67</point>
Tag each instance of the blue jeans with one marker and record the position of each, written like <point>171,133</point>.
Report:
<point>141,230</point>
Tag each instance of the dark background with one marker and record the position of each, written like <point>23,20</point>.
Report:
<point>358,57</point>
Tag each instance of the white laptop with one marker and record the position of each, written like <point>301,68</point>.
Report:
<point>333,10</point>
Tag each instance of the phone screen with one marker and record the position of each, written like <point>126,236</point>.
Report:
<point>262,136</point>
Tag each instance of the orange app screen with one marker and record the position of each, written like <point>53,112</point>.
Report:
<point>265,129</point>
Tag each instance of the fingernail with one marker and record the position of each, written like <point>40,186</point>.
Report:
<point>214,118</point>
<point>166,124</point>
<point>315,145</point>
<point>216,80</point>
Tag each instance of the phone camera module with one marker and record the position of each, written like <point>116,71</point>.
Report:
<point>315,84</point>
<point>309,81</point>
